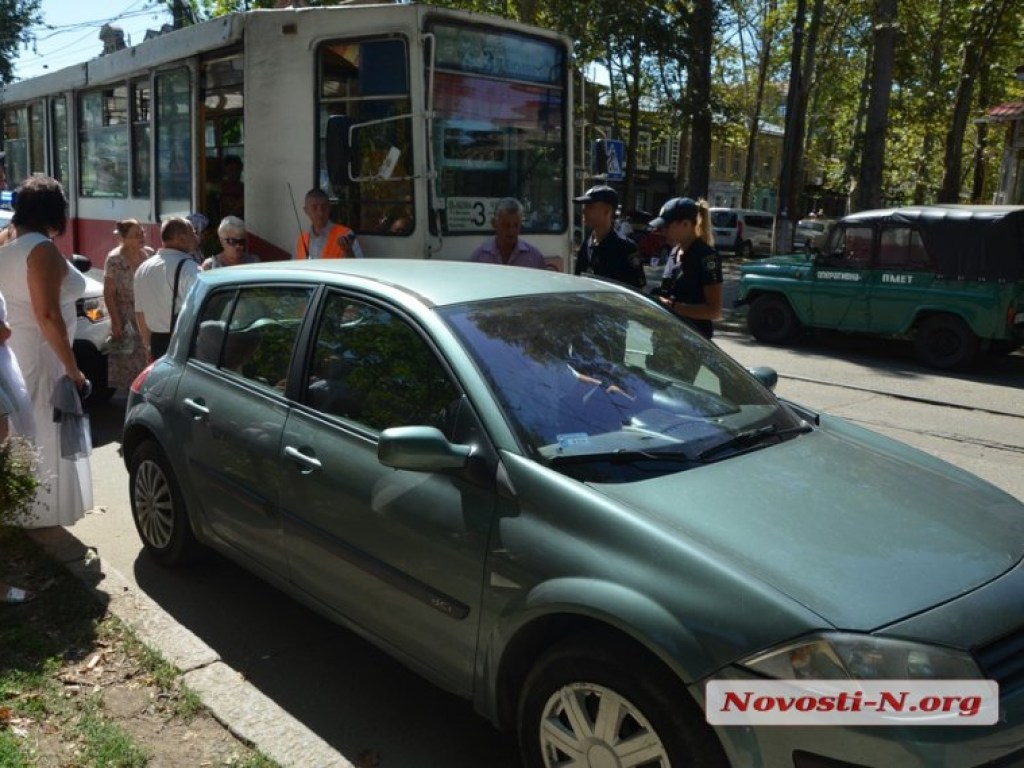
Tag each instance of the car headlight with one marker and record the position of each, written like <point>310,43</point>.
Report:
<point>841,656</point>
<point>94,309</point>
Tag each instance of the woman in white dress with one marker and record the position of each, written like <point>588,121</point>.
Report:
<point>41,287</point>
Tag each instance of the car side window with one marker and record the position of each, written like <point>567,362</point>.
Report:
<point>851,248</point>
<point>252,336</point>
<point>903,248</point>
<point>371,367</point>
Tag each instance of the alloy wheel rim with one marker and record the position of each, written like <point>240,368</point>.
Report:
<point>154,506</point>
<point>586,724</point>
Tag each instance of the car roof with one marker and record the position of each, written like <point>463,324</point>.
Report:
<point>433,282</point>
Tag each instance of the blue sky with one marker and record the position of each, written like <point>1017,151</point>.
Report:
<point>70,31</point>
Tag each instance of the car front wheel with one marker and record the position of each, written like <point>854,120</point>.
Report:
<point>583,704</point>
<point>746,250</point>
<point>771,319</point>
<point>158,507</point>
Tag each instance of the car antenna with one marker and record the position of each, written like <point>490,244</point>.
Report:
<point>298,221</point>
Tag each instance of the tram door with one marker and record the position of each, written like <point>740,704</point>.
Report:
<point>222,169</point>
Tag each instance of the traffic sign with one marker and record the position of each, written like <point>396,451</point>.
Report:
<point>615,157</point>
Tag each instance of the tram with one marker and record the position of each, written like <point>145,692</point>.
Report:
<point>414,119</point>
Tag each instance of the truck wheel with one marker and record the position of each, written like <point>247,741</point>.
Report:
<point>771,319</point>
<point>945,341</point>
<point>585,704</point>
<point>746,250</point>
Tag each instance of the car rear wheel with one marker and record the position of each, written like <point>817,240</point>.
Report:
<point>771,319</point>
<point>583,704</point>
<point>158,507</point>
<point>945,341</point>
<point>745,250</point>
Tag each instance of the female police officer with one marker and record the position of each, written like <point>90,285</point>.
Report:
<point>693,286</point>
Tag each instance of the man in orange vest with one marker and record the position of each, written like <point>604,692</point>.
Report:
<point>324,239</point>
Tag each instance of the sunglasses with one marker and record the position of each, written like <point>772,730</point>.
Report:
<point>238,242</point>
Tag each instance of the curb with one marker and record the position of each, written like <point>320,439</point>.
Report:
<point>237,704</point>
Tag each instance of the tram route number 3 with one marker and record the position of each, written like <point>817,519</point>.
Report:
<point>470,213</point>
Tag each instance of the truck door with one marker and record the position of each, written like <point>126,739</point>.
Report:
<point>901,281</point>
<point>839,298</point>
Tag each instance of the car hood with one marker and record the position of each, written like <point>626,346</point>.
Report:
<point>858,528</point>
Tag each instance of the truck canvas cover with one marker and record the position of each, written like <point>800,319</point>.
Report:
<point>967,242</point>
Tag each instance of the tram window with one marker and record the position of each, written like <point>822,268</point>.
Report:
<point>61,140</point>
<point>142,102</point>
<point>174,140</point>
<point>103,142</point>
<point>16,144</point>
<point>37,142</point>
<point>368,82</point>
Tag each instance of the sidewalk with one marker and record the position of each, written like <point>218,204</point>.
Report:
<point>239,706</point>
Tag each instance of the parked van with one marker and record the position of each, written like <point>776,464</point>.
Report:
<point>743,232</point>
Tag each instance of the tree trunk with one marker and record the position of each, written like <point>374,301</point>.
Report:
<point>803,99</point>
<point>764,55</point>
<point>986,96</point>
<point>869,187</point>
<point>791,143</point>
<point>983,26</point>
<point>923,182</point>
<point>699,89</point>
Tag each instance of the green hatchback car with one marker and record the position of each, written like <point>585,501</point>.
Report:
<point>548,495</point>
<point>949,277</point>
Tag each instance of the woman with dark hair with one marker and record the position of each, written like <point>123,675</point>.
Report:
<point>41,288</point>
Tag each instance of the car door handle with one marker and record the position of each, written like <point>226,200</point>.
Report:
<point>197,407</point>
<point>310,463</point>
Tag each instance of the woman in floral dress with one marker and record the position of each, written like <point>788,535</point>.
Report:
<point>126,357</point>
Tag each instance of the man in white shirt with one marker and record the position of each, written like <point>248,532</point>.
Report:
<point>157,303</point>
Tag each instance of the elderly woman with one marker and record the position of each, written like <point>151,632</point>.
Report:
<point>232,239</point>
<point>127,356</point>
<point>41,288</point>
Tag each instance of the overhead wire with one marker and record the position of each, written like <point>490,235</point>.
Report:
<point>74,50</point>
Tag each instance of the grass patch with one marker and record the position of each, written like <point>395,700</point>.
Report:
<point>106,744</point>
<point>78,688</point>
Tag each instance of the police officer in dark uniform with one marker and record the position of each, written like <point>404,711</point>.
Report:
<point>693,286</point>
<point>604,253</point>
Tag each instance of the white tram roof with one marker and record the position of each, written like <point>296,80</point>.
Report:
<point>201,38</point>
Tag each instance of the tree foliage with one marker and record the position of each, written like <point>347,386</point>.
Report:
<point>16,19</point>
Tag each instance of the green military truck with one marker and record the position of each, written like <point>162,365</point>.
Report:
<point>951,277</point>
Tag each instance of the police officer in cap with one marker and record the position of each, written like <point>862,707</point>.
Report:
<point>604,253</point>
<point>692,287</point>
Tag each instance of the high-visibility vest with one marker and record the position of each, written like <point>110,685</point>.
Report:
<point>338,245</point>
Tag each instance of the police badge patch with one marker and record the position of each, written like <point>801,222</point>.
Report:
<point>710,262</point>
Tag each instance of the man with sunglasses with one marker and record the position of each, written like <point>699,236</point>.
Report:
<point>232,242</point>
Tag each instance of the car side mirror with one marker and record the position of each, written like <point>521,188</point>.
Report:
<point>420,449</point>
<point>342,162</point>
<point>767,376</point>
<point>82,263</point>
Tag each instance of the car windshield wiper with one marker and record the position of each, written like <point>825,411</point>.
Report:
<point>743,441</point>
<point>624,456</point>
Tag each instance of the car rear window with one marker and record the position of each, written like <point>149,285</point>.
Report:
<point>723,218</point>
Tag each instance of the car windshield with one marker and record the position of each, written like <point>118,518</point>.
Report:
<point>612,378</point>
